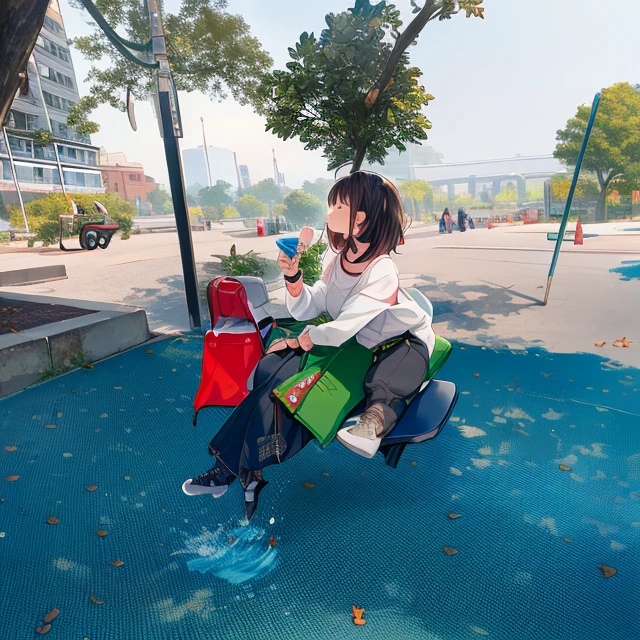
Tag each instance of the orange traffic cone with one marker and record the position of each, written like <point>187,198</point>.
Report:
<point>578,239</point>
<point>490,224</point>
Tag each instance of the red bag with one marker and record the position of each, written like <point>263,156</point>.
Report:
<point>232,349</point>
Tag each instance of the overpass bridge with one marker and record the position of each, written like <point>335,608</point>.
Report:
<point>493,172</point>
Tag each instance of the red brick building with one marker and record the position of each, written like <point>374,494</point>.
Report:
<point>124,177</point>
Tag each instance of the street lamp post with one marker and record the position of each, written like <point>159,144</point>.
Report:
<point>170,130</point>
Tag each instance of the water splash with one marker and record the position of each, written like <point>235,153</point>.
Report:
<point>628,270</point>
<point>236,555</point>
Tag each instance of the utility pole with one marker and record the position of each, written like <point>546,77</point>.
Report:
<point>206,156</point>
<point>168,111</point>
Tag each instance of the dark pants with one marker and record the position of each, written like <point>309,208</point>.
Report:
<point>260,432</point>
<point>461,224</point>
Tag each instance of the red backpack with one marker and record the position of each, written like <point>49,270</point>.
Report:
<point>232,349</point>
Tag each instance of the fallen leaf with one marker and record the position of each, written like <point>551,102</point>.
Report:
<point>87,366</point>
<point>10,448</point>
<point>232,540</point>
<point>117,563</point>
<point>49,426</point>
<point>607,571</point>
<point>14,331</point>
<point>272,542</point>
<point>43,630</point>
<point>102,533</point>
<point>453,516</point>
<point>359,621</point>
<point>564,467</point>
<point>96,601</point>
<point>11,478</point>
<point>566,539</point>
<point>93,487</point>
<point>622,343</point>
<point>73,391</point>
<point>600,344</point>
<point>450,551</point>
<point>414,463</point>
<point>149,350</point>
<point>357,613</point>
<point>324,473</point>
<point>52,615</point>
<point>309,485</point>
<point>53,520</point>
<point>477,375</point>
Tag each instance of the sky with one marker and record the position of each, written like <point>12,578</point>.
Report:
<point>503,85</point>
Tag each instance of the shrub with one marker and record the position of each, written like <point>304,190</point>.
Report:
<point>230,212</point>
<point>311,262</point>
<point>242,264</point>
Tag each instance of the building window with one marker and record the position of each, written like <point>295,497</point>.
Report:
<point>53,48</point>
<point>115,187</point>
<point>57,102</point>
<point>52,25</point>
<point>21,147</point>
<point>55,76</point>
<point>24,121</point>
<point>134,177</point>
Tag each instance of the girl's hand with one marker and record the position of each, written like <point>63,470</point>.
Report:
<point>292,343</point>
<point>305,342</point>
<point>288,266</point>
<point>277,345</point>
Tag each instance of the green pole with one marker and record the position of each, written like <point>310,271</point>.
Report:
<point>574,183</point>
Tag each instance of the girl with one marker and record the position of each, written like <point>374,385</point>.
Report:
<point>360,291</point>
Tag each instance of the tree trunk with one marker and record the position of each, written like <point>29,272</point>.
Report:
<point>359,157</point>
<point>20,24</point>
<point>601,206</point>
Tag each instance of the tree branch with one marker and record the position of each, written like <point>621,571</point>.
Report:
<point>427,13</point>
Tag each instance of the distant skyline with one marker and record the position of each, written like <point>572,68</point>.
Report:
<point>503,85</point>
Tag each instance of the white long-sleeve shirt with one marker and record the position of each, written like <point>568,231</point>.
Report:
<point>370,306</point>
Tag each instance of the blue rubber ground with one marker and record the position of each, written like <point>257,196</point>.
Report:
<point>364,535</point>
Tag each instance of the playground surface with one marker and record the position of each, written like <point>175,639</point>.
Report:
<point>541,462</point>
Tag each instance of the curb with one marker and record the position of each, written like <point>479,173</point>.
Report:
<point>30,356</point>
<point>33,275</point>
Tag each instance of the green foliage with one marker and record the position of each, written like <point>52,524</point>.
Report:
<point>43,214</point>
<point>535,193</point>
<point>160,201</point>
<point>211,213</point>
<point>229,211</point>
<point>416,189</point>
<point>216,196</point>
<point>304,208</point>
<point>507,195</point>
<point>586,189</point>
<point>280,209</point>
<point>79,116</point>
<point>266,191</point>
<point>242,264</point>
<point>311,262</point>
<point>250,207</point>
<point>209,50</point>
<point>320,188</point>
<point>42,137</point>
<point>613,152</point>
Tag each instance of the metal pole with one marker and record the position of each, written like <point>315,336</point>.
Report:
<point>574,183</point>
<point>15,178</point>
<point>206,156</point>
<point>171,130</point>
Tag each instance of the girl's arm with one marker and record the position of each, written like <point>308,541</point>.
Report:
<point>379,293</point>
<point>305,302</point>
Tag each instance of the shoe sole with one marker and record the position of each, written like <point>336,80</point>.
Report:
<point>198,490</point>
<point>352,446</point>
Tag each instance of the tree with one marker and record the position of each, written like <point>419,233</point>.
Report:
<point>20,24</point>
<point>215,196</point>
<point>613,152</point>
<point>250,207</point>
<point>209,50</point>
<point>160,201</point>
<point>351,91</point>
<point>304,208</point>
<point>266,191</point>
<point>422,154</point>
<point>586,189</point>
<point>320,188</point>
<point>416,190</point>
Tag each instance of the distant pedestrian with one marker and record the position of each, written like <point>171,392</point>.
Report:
<point>445,221</point>
<point>462,216</point>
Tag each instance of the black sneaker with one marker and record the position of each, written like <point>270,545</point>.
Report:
<point>251,494</point>
<point>214,482</point>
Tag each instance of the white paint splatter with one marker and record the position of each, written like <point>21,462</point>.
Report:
<point>568,460</point>
<point>549,524</point>
<point>471,432</point>
<point>576,477</point>
<point>479,631</point>
<point>499,420</point>
<point>518,414</point>
<point>505,448</point>
<point>485,451</point>
<point>618,546</point>
<point>481,463</point>
<point>603,529</point>
<point>600,475</point>
<point>595,451</point>
<point>552,415</point>
<point>456,472</point>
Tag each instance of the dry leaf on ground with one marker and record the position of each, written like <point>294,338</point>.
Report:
<point>149,350</point>
<point>11,448</point>
<point>53,520</point>
<point>11,478</point>
<point>324,473</point>
<point>450,551</point>
<point>117,563</point>
<point>600,344</point>
<point>43,630</point>
<point>52,615</point>
<point>453,516</point>
<point>357,613</point>
<point>567,539</point>
<point>564,467</point>
<point>414,463</point>
<point>309,485</point>
<point>102,533</point>
<point>622,343</point>
<point>477,375</point>
<point>49,426</point>
<point>359,621</point>
<point>94,600</point>
<point>93,487</point>
<point>607,571</point>
<point>272,542</point>
<point>87,366</point>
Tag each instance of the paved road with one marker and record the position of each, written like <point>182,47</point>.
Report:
<point>485,284</point>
